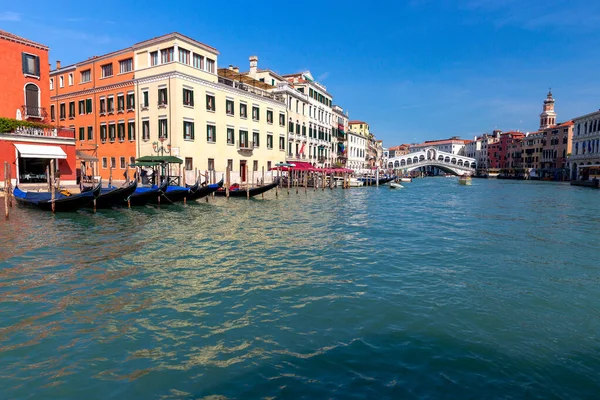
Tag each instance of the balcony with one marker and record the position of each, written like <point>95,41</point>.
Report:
<point>33,112</point>
<point>245,147</point>
<point>29,131</point>
<point>322,159</point>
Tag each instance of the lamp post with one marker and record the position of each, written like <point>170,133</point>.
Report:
<point>160,148</point>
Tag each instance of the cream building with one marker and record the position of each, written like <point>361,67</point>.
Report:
<point>300,142</point>
<point>211,118</point>
<point>320,117</point>
<point>358,142</point>
<point>585,149</point>
<point>339,143</point>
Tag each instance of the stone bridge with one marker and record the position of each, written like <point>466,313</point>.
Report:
<point>431,157</point>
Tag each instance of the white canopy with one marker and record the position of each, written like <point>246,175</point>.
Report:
<point>38,151</point>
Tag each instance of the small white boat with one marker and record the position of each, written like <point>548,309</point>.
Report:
<point>394,185</point>
<point>353,182</point>
<point>406,179</point>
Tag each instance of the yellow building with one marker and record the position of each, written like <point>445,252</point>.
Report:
<point>211,118</point>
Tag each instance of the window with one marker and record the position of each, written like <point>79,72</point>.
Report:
<point>297,128</point>
<point>113,162</point>
<point>81,133</point>
<point>103,133</point>
<point>146,99</point>
<point>81,107</point>
<point>189,164</point>
<point>269,141</point>
<point>255,113</point>
<point>126,65</point>
<point>131,130</point>
<point>130,101</point>
<point>104,163</point>
<point>184,56</point>
<point>282,119</point>
<point>291,127</point>
<point>281,143</point>
<point>162,97</point>
<point>120,102</point>
<point>210,102</point>
<point>154,58</point>
<point>86,76</point>
<point>255,139</point>
<point>70,79</point>
<point>230,136</point>
<point>210,65</point>
<point>131,160</point>
<point>268,165</point>
<point>198,61</point>
<point>106,70</point>
<point>122,162</point>
<point>146,130</point>
<point>167,55</point>
<point>121,131</point>
<point>255,165</point>
<point>162,128</point>
<point>90,133</point>
<point>243,110</point>
<point>230,164</point>
<point>229,107</point>
<point>112,132</point>
<point>303,130</point>
<point>61,81</point>
<point>31,64</point>
<point>244,139</point>
<point>52,113</point>
<point>51,83</point>
<point>71,109</point>
<point>63,111</point>
<point>211,133</point>
<point>188,97</point>
<point>88,106</point>
<point>111,104</point>
<point>269,116</point>
<point>211,164</point>
<point>188,130</point>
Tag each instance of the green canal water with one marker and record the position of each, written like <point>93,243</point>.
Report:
<point>434,291</point>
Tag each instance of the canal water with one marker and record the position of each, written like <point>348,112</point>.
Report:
<point>434,291</point>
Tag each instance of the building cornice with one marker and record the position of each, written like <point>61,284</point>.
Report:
<point>92,90</point>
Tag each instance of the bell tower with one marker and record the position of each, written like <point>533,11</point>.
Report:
<point>548,116</point>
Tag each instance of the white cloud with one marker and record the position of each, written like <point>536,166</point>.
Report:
<point>10,16</point>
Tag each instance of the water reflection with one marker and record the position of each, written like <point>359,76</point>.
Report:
<point>366,292</point>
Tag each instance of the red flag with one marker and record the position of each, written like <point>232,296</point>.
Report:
<point>302,149</point>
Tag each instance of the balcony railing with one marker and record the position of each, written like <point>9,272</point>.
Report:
<point>245,146</point>
<point>251,89</point>
<point>33,112</point>
<point>47,132</point>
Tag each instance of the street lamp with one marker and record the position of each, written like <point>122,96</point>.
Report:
<point>160,148</point>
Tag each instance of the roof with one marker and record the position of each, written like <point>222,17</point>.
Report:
<point>159,159</point>
<point>241,77</point>
<point>174,34</point>
<point>12,37</point>
<point>356,122</point>
<point>438,142</point>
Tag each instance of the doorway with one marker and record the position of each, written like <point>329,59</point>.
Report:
<point>243,170</point>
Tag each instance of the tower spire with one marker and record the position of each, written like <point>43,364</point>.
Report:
<point>548,116</point>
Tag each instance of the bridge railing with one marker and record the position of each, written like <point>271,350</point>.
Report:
<point>434,163</point>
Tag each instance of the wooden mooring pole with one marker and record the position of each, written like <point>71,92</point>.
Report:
<point>247,183</point>
<point>53,192</point>
<point>207,180</point>
<point>263,180</point>
<point>227,182</point>
<point>6,178</point>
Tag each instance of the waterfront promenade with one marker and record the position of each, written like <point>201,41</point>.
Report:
<point>437,290</point>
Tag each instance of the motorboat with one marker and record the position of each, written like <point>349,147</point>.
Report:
<point>396,185</point>
<point>464,180</point>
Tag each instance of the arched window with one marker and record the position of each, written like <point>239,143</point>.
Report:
<point>32,100</point>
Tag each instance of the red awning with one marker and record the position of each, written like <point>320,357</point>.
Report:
<point>298,166</point>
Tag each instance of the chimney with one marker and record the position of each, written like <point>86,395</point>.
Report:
<point>253,66</point>
<point>236,69</point>
<point>57,64</point>
<point>230,67</point>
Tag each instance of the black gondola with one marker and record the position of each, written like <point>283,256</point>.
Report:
<point>198,192</point>
<point>371,181</point>
<point>110,197</point>
<point>62,202</point>
<point>242,192</point>
<point>172,194</point>
<point>143,195</point>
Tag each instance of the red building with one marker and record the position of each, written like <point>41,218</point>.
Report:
<point>506,153</point>
<point>27,141</point>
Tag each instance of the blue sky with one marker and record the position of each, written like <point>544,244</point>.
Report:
<point>415,70</point>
